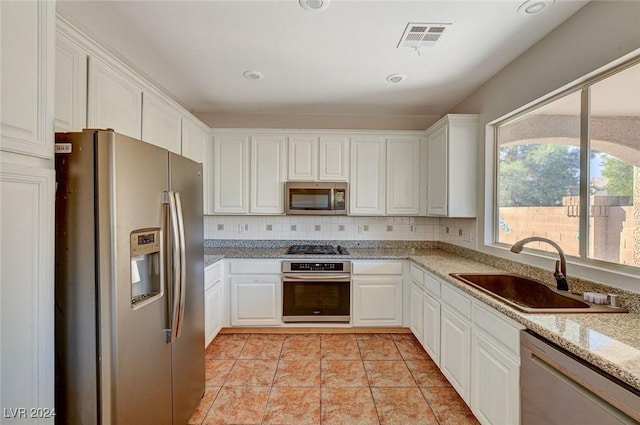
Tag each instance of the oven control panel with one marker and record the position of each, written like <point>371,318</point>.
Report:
<point>314,266</point>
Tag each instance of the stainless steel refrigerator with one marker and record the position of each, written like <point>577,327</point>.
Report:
<point>129,282</point>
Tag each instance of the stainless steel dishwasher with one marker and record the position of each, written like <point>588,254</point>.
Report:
<point>556,387</point>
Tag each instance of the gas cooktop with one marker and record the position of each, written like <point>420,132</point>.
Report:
<point>317,250</point>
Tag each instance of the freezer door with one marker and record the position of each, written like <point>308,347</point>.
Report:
<point>132,177</point>
<point>187,352</point>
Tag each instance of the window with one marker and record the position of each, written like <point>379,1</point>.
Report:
<point>569,170</point>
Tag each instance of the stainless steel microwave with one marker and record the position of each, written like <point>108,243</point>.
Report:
<point>316,198</point>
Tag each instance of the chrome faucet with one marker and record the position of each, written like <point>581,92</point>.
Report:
<point>561,266</point>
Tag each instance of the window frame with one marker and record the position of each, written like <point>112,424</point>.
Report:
<point>492,228</point>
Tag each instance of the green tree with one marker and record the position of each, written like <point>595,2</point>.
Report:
<point>537,174</point>
<point>619,176</point>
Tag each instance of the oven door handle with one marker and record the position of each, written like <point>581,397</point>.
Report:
<point>316,277</point>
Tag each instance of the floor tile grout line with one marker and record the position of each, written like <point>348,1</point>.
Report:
<point>225,380</point>
<point>418,386</point>
<point>273,379</point>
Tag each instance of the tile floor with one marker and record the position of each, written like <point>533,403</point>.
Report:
<point>325,379</point>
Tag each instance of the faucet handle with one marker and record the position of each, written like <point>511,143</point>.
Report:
<point>557,272</point>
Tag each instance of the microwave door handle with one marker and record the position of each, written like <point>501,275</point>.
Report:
<point>174,267</point>
<point>183,265</point>
<point>332,199</point>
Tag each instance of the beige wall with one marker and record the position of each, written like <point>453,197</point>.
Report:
<point>598,34</point>
<point>316,121</point>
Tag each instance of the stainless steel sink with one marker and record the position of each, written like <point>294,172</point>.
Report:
<point>529,295</point>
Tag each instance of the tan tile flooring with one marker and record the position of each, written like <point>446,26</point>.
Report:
<point>325,379</point>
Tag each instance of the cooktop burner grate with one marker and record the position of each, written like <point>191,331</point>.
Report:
<point>317,250</point>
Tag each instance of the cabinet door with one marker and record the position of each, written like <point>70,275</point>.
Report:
<point>403,176</point>
<point>303,158</point>
<point>437,169</point>
<point>334,159</point>
<point>377,300</point>
<point>495,392</point>
<point>71,85</point>
<point>194,140</point>
<point>27,57</point>
<point>161,123</point>
<point>256,301</point>
<point>231,175</point>
<point>114,101</point>
<point>431,327</point>
<point>27,288</point>
<point>267,175</point>
<point>212,312</point>
<point>455,354</point>
<point>415,311</point>
<point>367,177</point>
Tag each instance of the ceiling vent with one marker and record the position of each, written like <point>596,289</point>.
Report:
<point>422,35</point>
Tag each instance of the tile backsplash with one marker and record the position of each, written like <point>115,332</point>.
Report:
<point>457,231</point>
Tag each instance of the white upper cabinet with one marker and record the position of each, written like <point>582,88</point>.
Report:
<point>303,158</point>
<point>334,159</point>
<point>452,166</point>
<point>161,123</point>
<point>268,162</point>
<point>195,138</point>
<point>318,158</point>
<point>27,57</point>
<point>367,183</point>
<point>115,101</point>
<point>71,85</point>
<point>230,174</point>
<point>403,176</point>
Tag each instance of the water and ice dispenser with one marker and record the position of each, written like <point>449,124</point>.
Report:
<point>146,266</point>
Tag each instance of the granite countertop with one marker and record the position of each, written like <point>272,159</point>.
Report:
<point>610,341</point>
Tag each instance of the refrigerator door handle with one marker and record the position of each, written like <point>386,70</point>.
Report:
<point>183,265</point>
<point>175,266</point>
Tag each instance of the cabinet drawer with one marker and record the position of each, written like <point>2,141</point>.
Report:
<point>212,274</point>
<point>432,285</point>
<point>455,299</point>
<point>417,275</point>
<point>255,267</point>
<point>498,329</point>
<point>376,267</point>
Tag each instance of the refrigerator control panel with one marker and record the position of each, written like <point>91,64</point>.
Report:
<point>145,242</point>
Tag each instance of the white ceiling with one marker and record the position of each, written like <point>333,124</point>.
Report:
<point>330,62</point>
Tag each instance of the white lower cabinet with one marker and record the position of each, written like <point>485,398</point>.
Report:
<point>213,308</point>
<point>377,293</point>
<point>256,301</point>
<point>416,311</point>
<point>424,317</point>
<point>455,351</point>
<point>495,367</point>
<point>476,347</point>
<point>431,327</point>
<point>377,300</point>
<point>495,383</point>
<point>256,292</point>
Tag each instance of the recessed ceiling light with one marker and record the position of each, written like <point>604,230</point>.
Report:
<point>314,5</point>
<point>396,78</point>
<point>253,75</point>
<point>531,7</point>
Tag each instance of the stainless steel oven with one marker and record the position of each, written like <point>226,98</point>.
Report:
<point>316,291</point>
<point>317,198</point>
